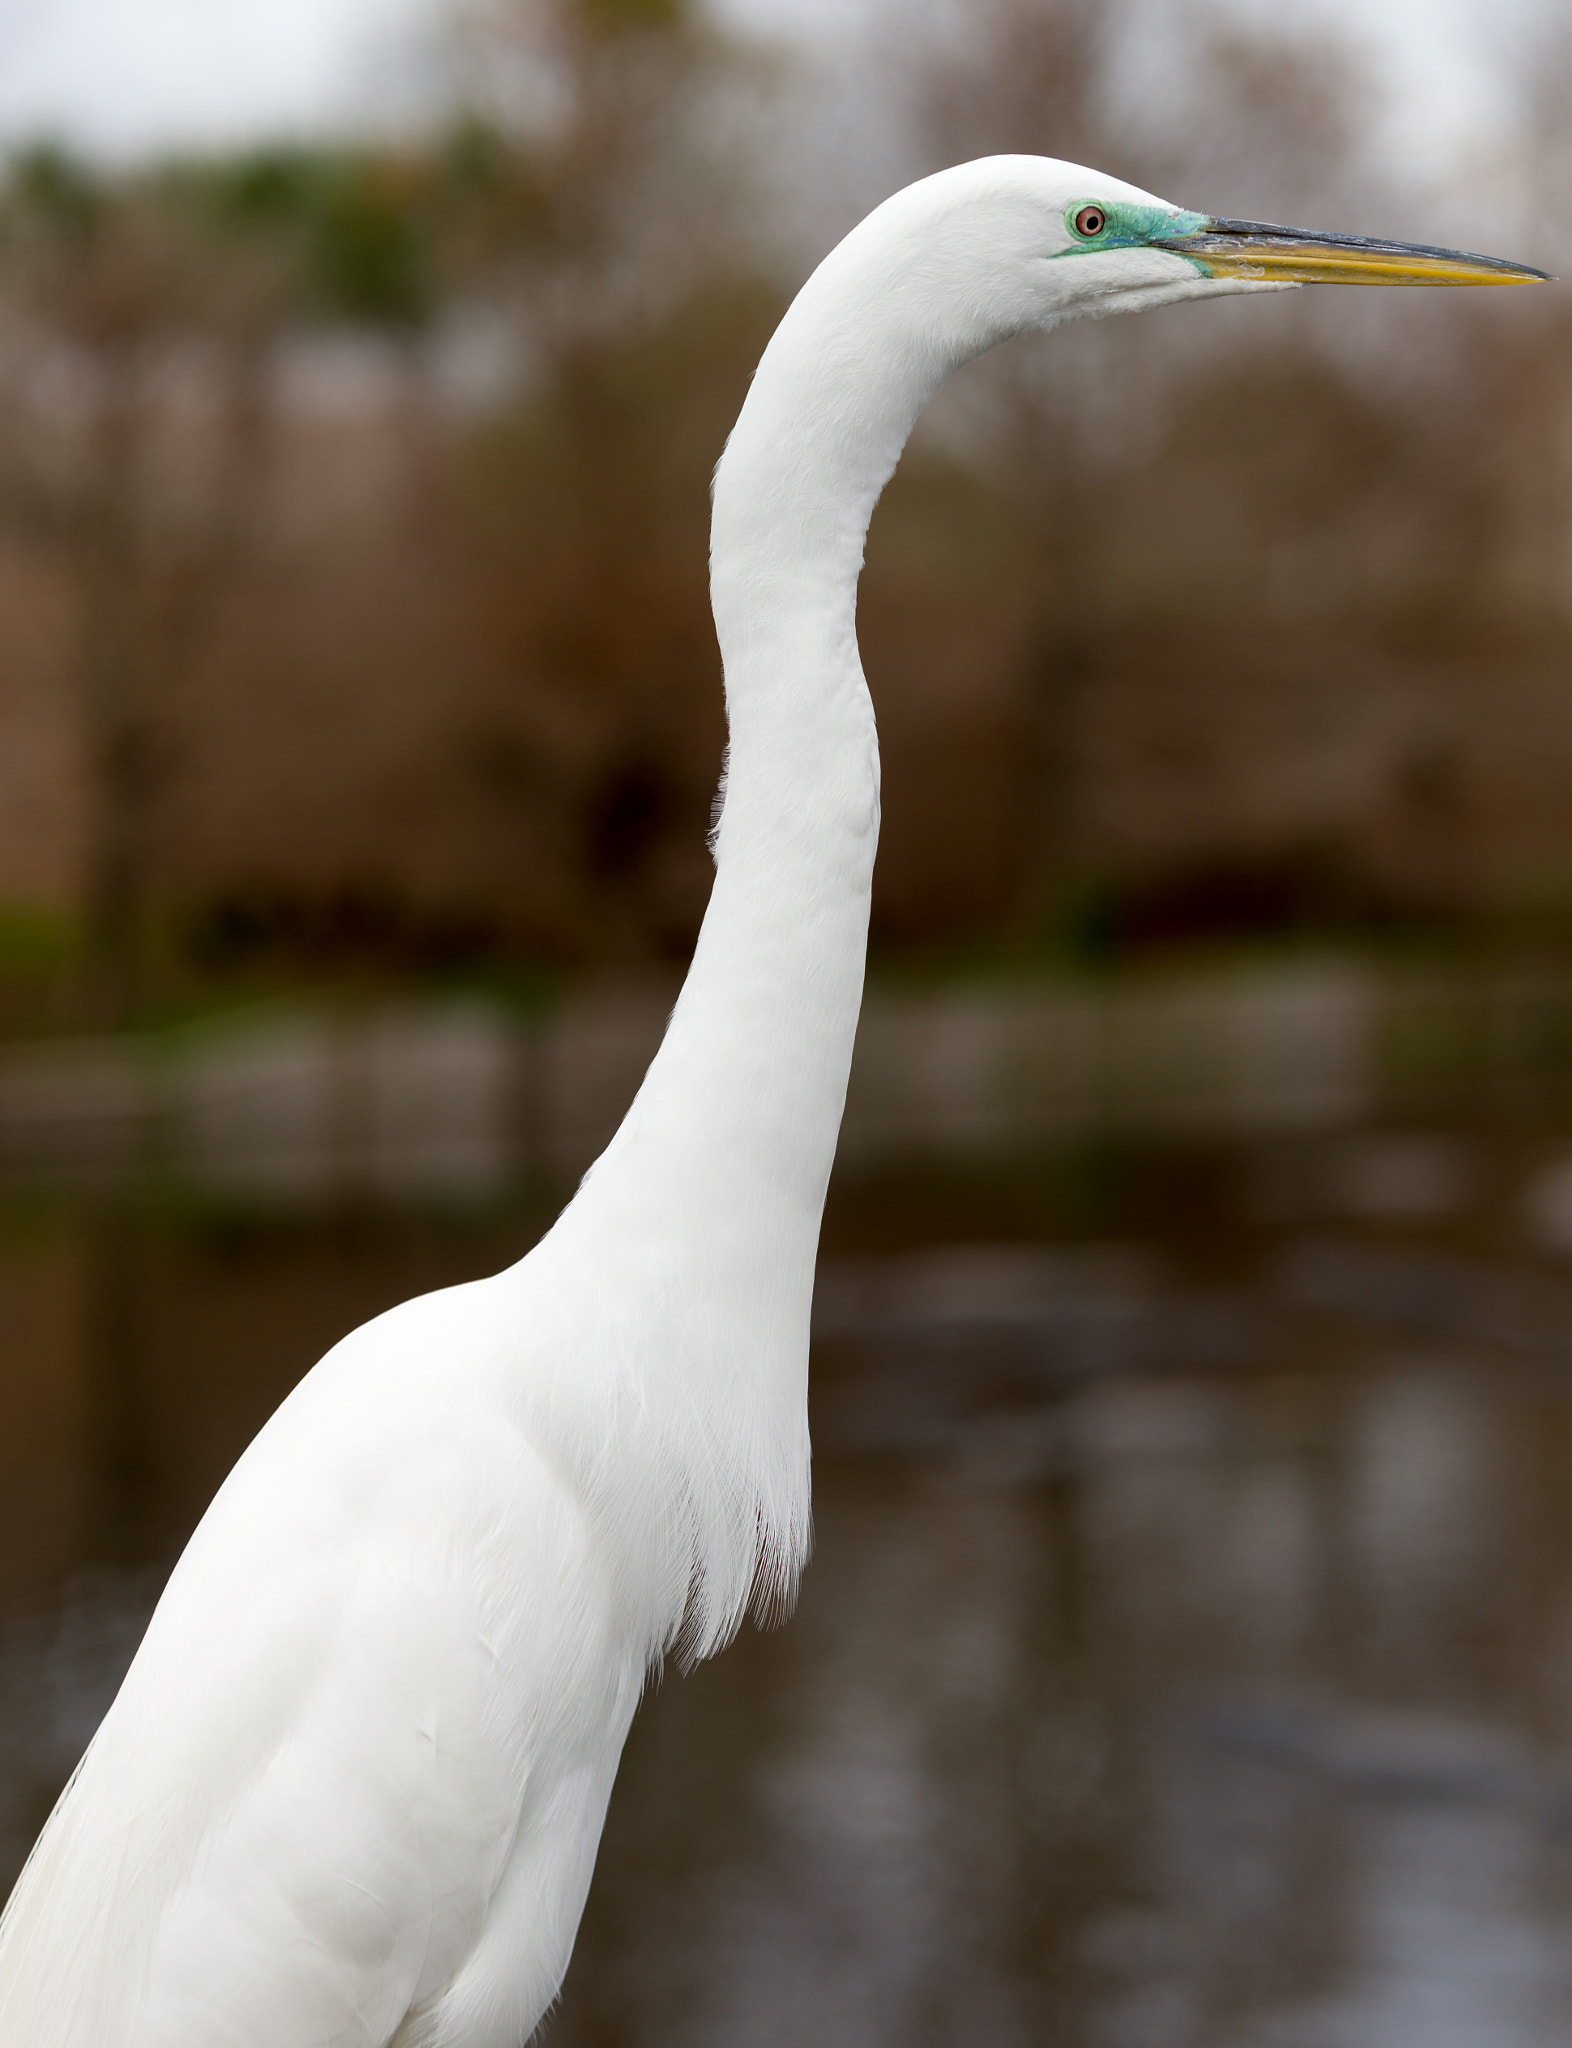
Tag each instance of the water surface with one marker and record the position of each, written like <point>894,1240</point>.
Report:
<point>1186,1659</point>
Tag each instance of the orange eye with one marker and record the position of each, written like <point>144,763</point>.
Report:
<point>1090,221</point>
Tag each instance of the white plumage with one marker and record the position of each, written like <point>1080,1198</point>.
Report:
<point>351,1790</point>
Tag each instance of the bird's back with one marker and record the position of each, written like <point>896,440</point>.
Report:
<point>351,1788</point>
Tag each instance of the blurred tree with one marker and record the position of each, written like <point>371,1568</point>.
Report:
<point>110,283</point>
<point>1068,431</point>
<point>1034,76</point>
<point>623,240</point>
<point>483,597</point>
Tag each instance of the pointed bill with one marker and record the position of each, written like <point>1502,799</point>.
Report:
<point>1258,249</point>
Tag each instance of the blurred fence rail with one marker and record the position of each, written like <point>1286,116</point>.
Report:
<point>462,1099</point>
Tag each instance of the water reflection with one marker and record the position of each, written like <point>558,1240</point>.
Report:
<point>1187,1655</point>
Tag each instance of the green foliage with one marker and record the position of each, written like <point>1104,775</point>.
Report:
<point>353,233</point>
<point>264,188</point>
<point>38,950</point>
<point>55,188</point>
<point>356,223</point>
<point>34,943</point>
<point>367,246</point>
<point>475,161</point>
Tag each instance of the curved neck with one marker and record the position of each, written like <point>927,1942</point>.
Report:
<point>691,1244</point>
<point>744,1099</point>
<point>699,1224</point>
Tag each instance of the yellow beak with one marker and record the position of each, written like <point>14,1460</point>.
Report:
<point>1257,249</point>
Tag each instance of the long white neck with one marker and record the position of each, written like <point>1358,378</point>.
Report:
<point>743,1102</point>
<point>703,1214</point>
<point>687,1256</point>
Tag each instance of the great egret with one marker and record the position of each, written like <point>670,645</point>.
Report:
<point>352,1786</point>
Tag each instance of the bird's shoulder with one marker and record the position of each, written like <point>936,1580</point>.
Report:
<point>308,1790</point>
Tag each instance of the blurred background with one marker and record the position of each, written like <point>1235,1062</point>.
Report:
<point>1187,1657</point>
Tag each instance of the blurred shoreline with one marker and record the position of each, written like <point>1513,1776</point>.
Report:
<point>304,1104</point>
<point>354,520</point>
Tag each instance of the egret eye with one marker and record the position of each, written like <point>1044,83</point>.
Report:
<point>1090,221</point>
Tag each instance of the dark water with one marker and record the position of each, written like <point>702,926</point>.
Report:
<point>1187,1654</point>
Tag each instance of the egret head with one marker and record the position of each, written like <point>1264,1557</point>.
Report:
<point>1074,243</point>
<point>1258,252</point>
<point>944,271</point>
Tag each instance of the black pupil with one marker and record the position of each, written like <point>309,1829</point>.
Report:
<point>1091,222</point>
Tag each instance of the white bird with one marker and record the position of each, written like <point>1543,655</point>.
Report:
<point>352,1787</point>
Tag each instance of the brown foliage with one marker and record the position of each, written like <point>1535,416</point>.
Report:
<point>420,672</point>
